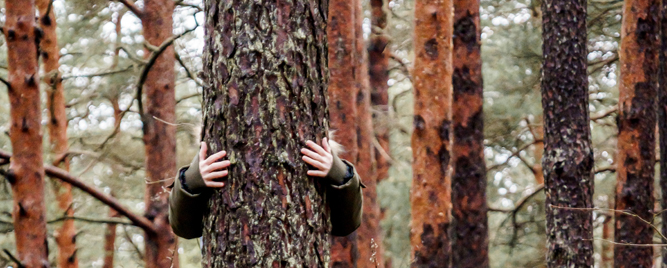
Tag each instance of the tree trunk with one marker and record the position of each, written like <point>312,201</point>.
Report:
<point>568,155</point>
<point>378,59</point>
<point>470,242</point>
<point>159,138</point>
<point>341,30</point>
<point>431,187</point>
<point>110,241</point>
<point>662,121</point>
<point>369,239</point>
<point>57,125</point>
<point>26,171</point>
<point>636,131</point>
<point>265,95</point>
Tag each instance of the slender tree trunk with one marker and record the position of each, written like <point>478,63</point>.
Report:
<point>638,91</point>
<point>431,187</point>
<point>470,241</point>
<point>159,138</point>
<point>110,241</point>
<point>57,125</point>
<point>568,156</point>
<point>378,59</point>
<point>662,121</point>
<point>26,171</point>
<point>369,237</point>
<point>341,31</point>
<point>265,95</point>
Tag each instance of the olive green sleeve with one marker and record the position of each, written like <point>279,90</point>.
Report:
<point>345,200</point>
<point>187,203</point>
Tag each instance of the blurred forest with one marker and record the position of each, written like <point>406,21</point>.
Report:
<point>102,54</point>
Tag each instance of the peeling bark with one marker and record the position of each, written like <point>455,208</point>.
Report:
<point>378,59</point>
<point>57,125</point>
<point>265,75</point>
<point>431,186</point>
<point>568,155</point>
<point>26,172</point>
<point>470,242</point>
<point>640,44</point>
<point>159,138</point>
<point>341,32</point>
<point>370,224</point>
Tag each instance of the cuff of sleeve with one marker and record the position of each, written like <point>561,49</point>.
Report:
<point>193,179</point>
<point>336,175</point>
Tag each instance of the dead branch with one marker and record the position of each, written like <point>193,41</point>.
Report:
<point>139,13</point>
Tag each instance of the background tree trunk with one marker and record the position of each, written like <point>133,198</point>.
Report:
<point>369,239</point>
<point>341,31</point>
<point>159,138</point>
<point>26,171</point>
<point>470,241</point>
<point>57,125</point>
<point>568,156</point>
<point>431,187</point>
<point>264,96</point>
<point>662,121</point>
<point>110,240</point>
<point>640,43</point>
<point>378,60</point>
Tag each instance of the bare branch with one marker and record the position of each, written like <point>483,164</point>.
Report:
<point>130,67</point>
<point>187,71</point>
<point>90,220</point>
<point>13,258</point>
<point>9,86</point>
<point>132,8</point>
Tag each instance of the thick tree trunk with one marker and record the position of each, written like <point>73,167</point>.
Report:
<point>470,240</point>
<point>341,31</point>
<point>431,186</point>
<point>369,237</point>
<point>26,171</point>
<point>57,125</point>
<point>265,95</point>
<point>159,138</point>
<point>638,91</point>
<point>378,60</point>
<point>662,121</point>
<point>568,155</point>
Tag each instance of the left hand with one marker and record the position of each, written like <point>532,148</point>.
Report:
<point>319,157</point>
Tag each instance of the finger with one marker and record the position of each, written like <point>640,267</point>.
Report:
<point>312,154</point>
<point>313,162</point>
<point>215,184</point>
<point>215,175</point>
<point>317,148</point>
<point>325,144</point>
<point>215,157</point>
<point>202,151</point>
<point>316,173</point>
<point>218,165</point>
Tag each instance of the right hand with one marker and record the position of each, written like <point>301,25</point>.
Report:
<point>211,170</point>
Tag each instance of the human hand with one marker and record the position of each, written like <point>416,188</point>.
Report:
<point>319,157</point>
<point>210,169</point>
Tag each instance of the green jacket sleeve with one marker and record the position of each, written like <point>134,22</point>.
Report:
<point>187,203</point>
<point>345,198</point>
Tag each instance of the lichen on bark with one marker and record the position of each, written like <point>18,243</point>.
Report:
<point>265,74</point>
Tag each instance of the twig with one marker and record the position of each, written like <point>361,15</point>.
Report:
<point>13,258</point>
<point>187,71</point>
<point>9,86</point>
<point>132,8</point>
<point>604,114</point>
<point>187,97</point>
<point>90,220</point>
<point>100,74</point>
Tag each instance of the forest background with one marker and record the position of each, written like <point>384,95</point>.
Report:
<point>101,47</point>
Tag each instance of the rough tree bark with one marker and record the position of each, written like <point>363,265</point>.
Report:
<point>470,240</point>
<point>431,187</point>
<point>265,76</point>
<point>378,60</point>
<point>662,121</point>
<point>638,91</point>
<point>568,155</point>
<point>26,173</point>
<point>57,125</point>
<point>341,31</point>
<point>369,237</point>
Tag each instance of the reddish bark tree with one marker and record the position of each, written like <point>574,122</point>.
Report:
<point>57,125</point>
<point>378,59</point>
<point>568,156</point>
<point>640,44</point>
<point>341,32</point>
<point>370,225</point>
<point>662,121</point>
<point>110,240</point>
<point>470,240</point>
<point>26,173</point>
<point>431,186</point>
<point>264,96</point>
